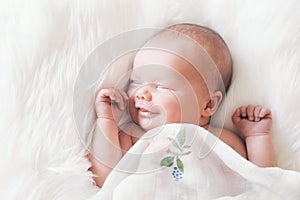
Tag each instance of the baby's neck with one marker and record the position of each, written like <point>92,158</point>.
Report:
<point>206,126</point>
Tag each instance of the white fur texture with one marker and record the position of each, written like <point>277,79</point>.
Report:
<point>45,43</point>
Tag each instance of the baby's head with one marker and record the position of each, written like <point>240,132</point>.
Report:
<point>179,76</point>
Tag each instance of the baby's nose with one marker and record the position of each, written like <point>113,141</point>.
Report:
<point>143,94</point>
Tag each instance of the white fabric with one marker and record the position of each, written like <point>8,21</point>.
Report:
<point>212,170</point>
<point>45,43</point>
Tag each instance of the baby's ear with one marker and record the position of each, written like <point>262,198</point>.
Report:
<point>213,103</point>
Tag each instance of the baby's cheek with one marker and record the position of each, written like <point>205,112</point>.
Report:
<point>188,107</point>
<point>132,109</point>
<point>173,110</point>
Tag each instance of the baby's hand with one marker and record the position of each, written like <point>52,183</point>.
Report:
<point>252,120</point>
<point>110,103</point>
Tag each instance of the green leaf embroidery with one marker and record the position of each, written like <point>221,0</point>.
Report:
<point>167,161</point>
<point>181,137</point>
<point>179,143</point>
<point>186,153</point>
<point>179,165</point>
<point>187,146</point>
<point>175,144</point>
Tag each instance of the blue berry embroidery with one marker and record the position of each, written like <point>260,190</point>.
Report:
<point>176,174</point>
<point>174,157</point>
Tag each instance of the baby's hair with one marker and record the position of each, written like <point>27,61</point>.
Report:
<point>214,45</point>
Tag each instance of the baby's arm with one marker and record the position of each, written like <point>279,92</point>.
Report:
<point>106,149</point>
<point>254,123</point>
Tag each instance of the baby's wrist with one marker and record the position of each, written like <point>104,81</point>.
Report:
<point>104,114</point>
<point>106,119</point>
<point>107,123</point>
<point>256,134</point>
<point>258,139</point>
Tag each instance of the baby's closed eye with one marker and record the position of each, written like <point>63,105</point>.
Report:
<point>162,87</point>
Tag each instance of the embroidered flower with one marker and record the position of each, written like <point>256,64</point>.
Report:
<point>177,149</point>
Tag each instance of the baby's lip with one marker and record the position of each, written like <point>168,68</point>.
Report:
<point>147,110</point>
<point>144,107</point>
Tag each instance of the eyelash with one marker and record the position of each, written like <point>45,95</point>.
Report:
<point>161,87</point>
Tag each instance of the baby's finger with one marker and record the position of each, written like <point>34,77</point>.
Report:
<point>119,100</point>
<point>115,96</point>
<point>250,112</point>
<point>243,111</point>
<point>237,113</point>
<point>265,112</point>
<point>125,99</point>
<point>257,110</point>
<point>103,95</point>
<point>124,94</point>
<point>236,116</point>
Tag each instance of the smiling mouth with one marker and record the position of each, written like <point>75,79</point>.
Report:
<point>144,112</point>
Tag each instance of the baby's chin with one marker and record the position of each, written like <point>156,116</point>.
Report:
<point>148,123</point>
<point>156,119</point>
<point>151,122</point>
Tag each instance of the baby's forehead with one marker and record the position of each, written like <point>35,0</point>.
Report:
<point>184,56</point>
<point>157,65</point>
<point>179,55</point>
<point>170,43</point>
<point>158,56</point>
<point>158,61</point>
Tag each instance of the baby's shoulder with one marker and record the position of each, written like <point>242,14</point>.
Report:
<point>231,139</point>
<point>129,135</point>
<point>132,129</point>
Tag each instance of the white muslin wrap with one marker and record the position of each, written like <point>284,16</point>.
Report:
<point>211,170</point>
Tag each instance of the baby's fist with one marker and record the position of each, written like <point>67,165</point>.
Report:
<point>108,100</point>
<point>252,120</point>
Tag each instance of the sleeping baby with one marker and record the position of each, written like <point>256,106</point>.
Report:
<point>179,76</point>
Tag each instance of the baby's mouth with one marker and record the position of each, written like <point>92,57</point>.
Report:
<point>143,110</point>
<point>146,109</point>
<point>146,112</point>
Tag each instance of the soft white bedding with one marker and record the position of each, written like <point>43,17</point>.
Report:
<point>45,44</point>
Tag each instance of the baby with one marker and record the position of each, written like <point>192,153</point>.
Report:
<point>179,76</point>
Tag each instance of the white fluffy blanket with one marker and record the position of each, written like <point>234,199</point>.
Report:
<point>44,44</point>
<point>210,170</point>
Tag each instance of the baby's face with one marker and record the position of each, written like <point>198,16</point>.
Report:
<point>164,88</point>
